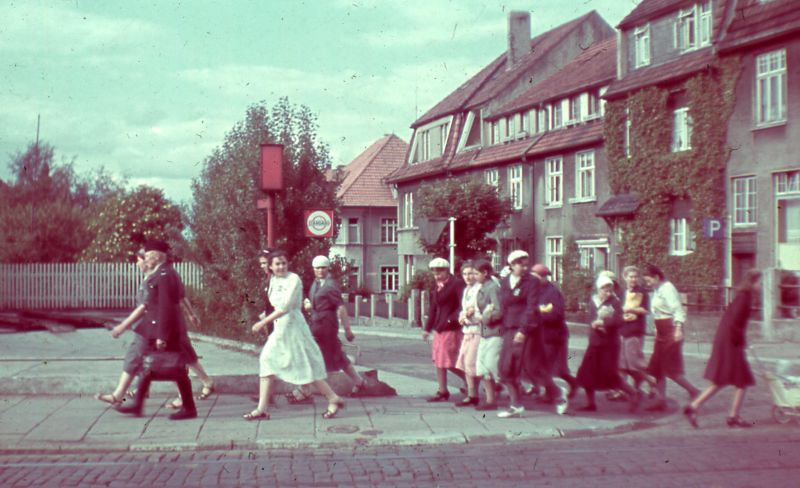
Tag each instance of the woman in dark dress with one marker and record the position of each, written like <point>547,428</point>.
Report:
<point>728,363</point>
<point>599,369</point>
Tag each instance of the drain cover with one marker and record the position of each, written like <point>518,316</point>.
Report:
<point>343,429</point>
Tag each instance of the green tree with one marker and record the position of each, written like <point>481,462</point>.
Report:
<point>576,281</point>
<point>477,207</point>
<point>126,220</point>
<point>228,229</point>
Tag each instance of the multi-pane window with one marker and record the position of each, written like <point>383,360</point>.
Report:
<point>390,278</point>
<point>593,254</point>
<point>681,130</point>
<point>771,87</point>
<point>641,46</point>
<point>553,256</point>
<point>492,177</point>
<point>511,128</point>
<point>787,183</point>
<point>693,27</point>
<point>353,278</point>
<point>389,231</point>
<point>627,133</point>
<point>593,107</point>
<point>787,191</point>
<point>408,210</point>
<point>495,132</point>
<point>515,185</point>
<point>353,231</point>
<point>541,124</point>
<point>558,120</point>
<point>744,200</point>
<point>524,121</point>
<point>430,142</point>
<point>575,108</point>
<point>554,181</point>
<point>681,238</point>
<point>584,177</point>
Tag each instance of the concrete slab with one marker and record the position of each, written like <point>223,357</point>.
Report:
<point>71,422</point>
<point>24,416</point>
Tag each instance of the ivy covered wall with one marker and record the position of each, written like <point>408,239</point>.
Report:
<point>661,177</point>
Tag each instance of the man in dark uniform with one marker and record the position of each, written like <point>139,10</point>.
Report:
<point>164,328</point>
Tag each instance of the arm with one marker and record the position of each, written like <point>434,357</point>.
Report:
<point>282,306</point>
<point>128,322</point>
<point>673,300</point>
<point>190,313</point>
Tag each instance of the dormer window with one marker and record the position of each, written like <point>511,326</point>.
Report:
<point>641,46</point>
<point>430,141</point>
<point>558,119</point>
<point>693,27</point>
<point>575,108</point>
<point>541,120</point>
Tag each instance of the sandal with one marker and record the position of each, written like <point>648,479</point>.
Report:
<point>206,392</point>
<point>329,414</point>
<point>108,398</point>
<point>691,415</point>
<point>175,404</point>
<point>256,415</point>
<point>298,396</point>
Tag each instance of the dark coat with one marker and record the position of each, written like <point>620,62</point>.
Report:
<point>325,301</point>
<point>728,363</point>
<point>609,335</point>
<point>520,312</point>
<point>163,317</point>
<point>599,369</point>
<point>550,304</point>
<point>445,306</point>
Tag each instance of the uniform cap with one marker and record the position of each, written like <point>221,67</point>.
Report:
<point>320,262</point>
<point>516,255</point>
<point>438,263</point>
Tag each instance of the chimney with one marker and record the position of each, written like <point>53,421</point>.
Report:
<point>519,37</point>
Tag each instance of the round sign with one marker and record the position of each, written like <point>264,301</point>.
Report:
<point>319,223</point>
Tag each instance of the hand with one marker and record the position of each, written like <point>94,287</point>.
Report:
<point>161,344</point>
<point>678,334</point>
<point>117,331</point>
<point>519,338</point>
<point>425,335</point>
<point>597,324</point>
<point>470,311</point>
<point>257,327</point>
<point>194,321</point>
<point>348,334</point>
<point>307,304</point>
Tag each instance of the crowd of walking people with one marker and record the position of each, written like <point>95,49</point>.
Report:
<point>500,332</point>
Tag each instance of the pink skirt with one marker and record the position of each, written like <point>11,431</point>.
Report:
<point>445,348</point>
<point>468,354</point>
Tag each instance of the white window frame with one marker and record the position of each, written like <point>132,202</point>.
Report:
<point>492,177</point>
<point>541,120</point>
<point>628,125</point>
<point>553,255</point>
<point>787,183</point>
<point>389,230</point>
<point>681,130</point>
<point>421,147</point>
<point>574,109</point>
<point>515,185</point>
<point>554,181</point>
<point>641,46</point>
<point>693,27</point>
<point>588,252</point>
<point>743,189</point>
<point>770,88</point>
<point>408,210</point>
<point>681,237</point>
<point>557,115</point>
<point>585,177</point>
<point>357,227</point>
<point>390,279</point>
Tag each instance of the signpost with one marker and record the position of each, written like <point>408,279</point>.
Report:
<point>319,223</point>
<point>271,181</point>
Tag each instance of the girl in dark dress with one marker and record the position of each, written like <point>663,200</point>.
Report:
<point>599,369</point>
<point>728,363</point>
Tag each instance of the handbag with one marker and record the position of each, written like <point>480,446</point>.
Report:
<point>164,365</point>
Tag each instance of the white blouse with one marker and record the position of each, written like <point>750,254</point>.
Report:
<point>666,303</point>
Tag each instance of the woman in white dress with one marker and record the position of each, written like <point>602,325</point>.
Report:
<point>290,353</point>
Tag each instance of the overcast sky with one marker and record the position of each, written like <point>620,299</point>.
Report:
<point>148,89</point>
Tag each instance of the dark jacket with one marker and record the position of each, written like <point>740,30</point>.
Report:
<point>163,317</point>
<point>491,324</point>
<point>609,334</point>
<point>519,304</point>
<point>445,306</point>
<point>550,304</point>
<point>637,326</point>
<point>325,301</point>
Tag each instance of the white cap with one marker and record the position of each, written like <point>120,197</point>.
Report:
<point>438,263</point>
<point>320,262</point>
<point>516,255</point>
<point>604,280</point>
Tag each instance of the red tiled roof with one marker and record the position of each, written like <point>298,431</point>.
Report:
<point>494,78</point>
<point>594,67</point>
<point>558,140</point>
<point>492,154</point>
<point>363,184</point>
<point>756,21</point>
<point>669,72</point>
<point>650,9</point>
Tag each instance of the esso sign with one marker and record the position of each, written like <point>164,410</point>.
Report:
<point>319,223</point>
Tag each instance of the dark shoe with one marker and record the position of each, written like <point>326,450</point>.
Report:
<point>183,414</point>
<point>485,407</point>
<point>440,396</point>
<point>657,407</point>
<point>135,410</point>
<point>588,408</point>
<point>691,415</point>
<point>467,402</point>
<point>738,422</point>
<point>573,391</point>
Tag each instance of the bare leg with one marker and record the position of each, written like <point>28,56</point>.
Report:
<point>198,370</point>
<point>513,392</point>
<point>264,387</point>
<point>460,374</point>
<point>686,385</point>
<point>441,378</point>
<point>328,392</point>
<point>488,386</point>
<point>703,397</point>
<point>738,397</point>
<point>125,380</point>
<point>351,372</point>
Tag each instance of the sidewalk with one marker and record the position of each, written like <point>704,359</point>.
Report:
<point>47,404</point>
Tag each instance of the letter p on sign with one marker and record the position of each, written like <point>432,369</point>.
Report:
<point>713,229</point>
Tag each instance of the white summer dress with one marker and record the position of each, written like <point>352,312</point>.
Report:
<point>291,353</point>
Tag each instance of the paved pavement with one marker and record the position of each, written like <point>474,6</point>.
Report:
<point>47,381</point>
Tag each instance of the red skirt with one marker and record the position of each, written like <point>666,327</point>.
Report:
<point>445,348</point>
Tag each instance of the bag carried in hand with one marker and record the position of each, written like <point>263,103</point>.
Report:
<point>164,365</point>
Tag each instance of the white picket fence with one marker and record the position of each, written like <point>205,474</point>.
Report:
<point>78,285</point>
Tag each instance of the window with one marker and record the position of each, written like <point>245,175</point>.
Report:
<point>408,210</point>
<point>681,238</point>
<point>541,124</point>
<point>390,279</point>
<point>584,177</point>
<point>593,254</point>
<point>553,180</point>
<point>593,108</point>
<point>515,185</point>
<point>627,132</point>
<point>410,267</point>
<point>575,108</point>
<point>693,27</point>
<point>787,188</point>
<point>787,183</point>
<point>494,258</point>
<point>525,121</point>
<point>744,201</point>
<point>340,237</point>
<point>771,87</point>
<point>353,231</point>
<point>389,231</point>
<point>641,46</point>
<point>492,177</point>
<point>430,142</point>
<point>553,256</point>
<point>353,278</point>
<point>495,132</point>
<point>510,126</point>
<point>557,115</point>
<point>682,130</point>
